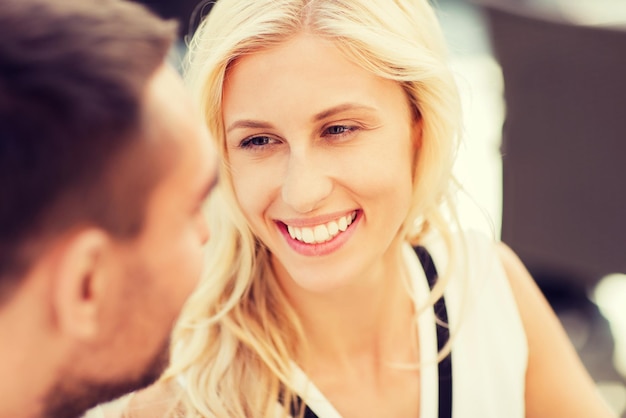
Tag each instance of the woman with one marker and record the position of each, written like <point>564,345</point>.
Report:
<point>338,122</point>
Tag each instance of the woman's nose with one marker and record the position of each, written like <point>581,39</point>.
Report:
<point>306,183</point>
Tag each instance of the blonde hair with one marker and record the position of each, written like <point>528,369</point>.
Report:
<point>237,334</point>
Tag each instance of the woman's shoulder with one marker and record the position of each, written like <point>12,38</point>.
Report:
<point>557,383</point>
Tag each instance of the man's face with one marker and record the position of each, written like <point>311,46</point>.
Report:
<point>154,273</point>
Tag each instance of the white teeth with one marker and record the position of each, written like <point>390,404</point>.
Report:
<point>307,235</point>
<point>321,233</point>
<point>343,224</point>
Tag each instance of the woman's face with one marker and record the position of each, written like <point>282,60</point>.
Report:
<point>321,153</point>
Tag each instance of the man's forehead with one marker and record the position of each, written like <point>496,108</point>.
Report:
<point>167,105</point>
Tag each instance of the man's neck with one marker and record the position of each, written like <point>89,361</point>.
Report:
<point>20,391</point>
<point>27,361</point>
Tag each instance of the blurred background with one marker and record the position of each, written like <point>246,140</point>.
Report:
<point>543,84</point>
<point>544,90</point>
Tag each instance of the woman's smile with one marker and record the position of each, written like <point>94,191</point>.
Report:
<point>322,232</point>
<point>319,239</point>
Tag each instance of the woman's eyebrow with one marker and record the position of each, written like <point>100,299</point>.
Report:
<point>340,108</point>
<point>251,123</point>
<point>248,123</point>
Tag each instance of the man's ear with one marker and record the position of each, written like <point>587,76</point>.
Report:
<point>80,276</point>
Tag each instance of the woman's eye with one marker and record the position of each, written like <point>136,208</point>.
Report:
<point>256,141</point>
<point>339,130</point>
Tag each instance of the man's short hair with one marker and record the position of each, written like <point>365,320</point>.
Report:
<point>72,79</point>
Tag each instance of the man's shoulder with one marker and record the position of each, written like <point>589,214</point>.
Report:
<point>161,399</point>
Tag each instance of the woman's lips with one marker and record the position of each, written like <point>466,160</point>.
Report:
<point>320,239</point>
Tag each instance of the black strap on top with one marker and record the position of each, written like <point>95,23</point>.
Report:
<point>296,404</point>
<point>443,336</point>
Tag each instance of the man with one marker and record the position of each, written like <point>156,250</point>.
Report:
<point>104,167</point>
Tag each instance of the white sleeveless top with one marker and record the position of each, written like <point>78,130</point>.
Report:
<point>489,348</point>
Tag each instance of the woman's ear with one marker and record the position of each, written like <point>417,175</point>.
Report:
<point>416,132</point>
<point>79,278</point>
<point>416,139</point>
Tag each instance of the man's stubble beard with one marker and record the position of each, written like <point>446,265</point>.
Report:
<point>71,399</point>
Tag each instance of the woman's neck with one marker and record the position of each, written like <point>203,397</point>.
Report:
<point>370,319</point>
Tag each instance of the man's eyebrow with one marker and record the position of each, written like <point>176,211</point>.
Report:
<point>208,188</point>
<point>338,109</point>
<point>248,123</point>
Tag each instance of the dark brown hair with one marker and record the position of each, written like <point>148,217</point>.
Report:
<point>72,79</point>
